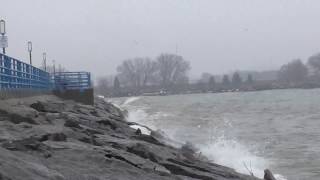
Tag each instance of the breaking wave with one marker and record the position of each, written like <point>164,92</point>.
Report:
<point>235,155</point>
<point>130,100</point>
<point>220,150</point>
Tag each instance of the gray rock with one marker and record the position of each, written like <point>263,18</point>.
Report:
<point>268,175</point>
<point>16,118</point>
<point>45,137</point>
<point>54,137</point>
<point>72,123</point>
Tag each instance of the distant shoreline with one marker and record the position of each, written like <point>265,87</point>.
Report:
<point>216,92</point>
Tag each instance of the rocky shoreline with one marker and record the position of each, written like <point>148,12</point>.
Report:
<point>45,137</point>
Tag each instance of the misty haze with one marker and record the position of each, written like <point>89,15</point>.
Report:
<point>159,89</point>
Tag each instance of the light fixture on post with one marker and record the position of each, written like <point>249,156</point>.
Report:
<point>30,50</point>
<point>2,27</point>
<point>3,38</point>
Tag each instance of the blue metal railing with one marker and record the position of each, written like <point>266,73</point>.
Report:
<point>16,74</point>
<point>72,80</point>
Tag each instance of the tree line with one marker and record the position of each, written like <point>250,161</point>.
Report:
<point>166,70</point>
<point>296,73</point>
<point>138,74</point>
<point>169,72</point>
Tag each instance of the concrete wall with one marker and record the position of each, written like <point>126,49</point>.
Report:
<point>83,96</point>
<point>20,93</point>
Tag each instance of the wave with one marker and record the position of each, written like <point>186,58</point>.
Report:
<point>235,155</point>
<point>220,150</point>
<point>130,100</point>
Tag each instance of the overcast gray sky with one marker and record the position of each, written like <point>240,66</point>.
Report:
<point>216,36</point>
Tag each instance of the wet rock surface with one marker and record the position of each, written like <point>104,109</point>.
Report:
<point>47,138</point>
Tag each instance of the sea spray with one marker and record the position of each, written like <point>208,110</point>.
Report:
<point>235,155</point>
<point>220,148</point>
<point>130,100</point>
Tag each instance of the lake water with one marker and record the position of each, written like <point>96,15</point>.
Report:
<point>276,129</point>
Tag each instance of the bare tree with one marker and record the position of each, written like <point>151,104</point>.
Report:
<point>212,83</point>
<point>149,70</point>
<point>314,62</point>
<point>127,72</point>
<point>225,81</point>
<point>171,69</point>
<point>293,72</point>
<point>236,80</point>
<point>136,72</point>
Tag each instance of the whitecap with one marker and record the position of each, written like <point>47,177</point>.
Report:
<point>130,100</point>
<point>235,155</point>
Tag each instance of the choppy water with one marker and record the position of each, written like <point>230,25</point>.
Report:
<point>276,129</point>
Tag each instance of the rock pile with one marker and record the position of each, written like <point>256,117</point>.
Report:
<point>47,138</point>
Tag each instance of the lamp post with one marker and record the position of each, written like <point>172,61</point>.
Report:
<point>54,67</point>
<point>44,55</point>
<point>4,41</point>
<point>30,50</point>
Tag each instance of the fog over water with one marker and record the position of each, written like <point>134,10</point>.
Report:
<point>215,36</point>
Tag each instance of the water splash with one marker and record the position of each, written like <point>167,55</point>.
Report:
<point>220,149</point>
<point>143,129</point>
<point>235,155</point>
<point>130,100</point>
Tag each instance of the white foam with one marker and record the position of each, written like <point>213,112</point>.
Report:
<point>137,115</point>
<point>140,116</point>
<point>235,155</point>
<point>130,100</point>
<point>221,150</point>
<point>279,177</point>
<point>143,129</point>
<point>101,96</point>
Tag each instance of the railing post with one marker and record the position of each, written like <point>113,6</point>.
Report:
<point>89,79</point>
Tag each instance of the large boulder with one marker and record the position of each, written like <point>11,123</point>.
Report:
<point>54,137</point>
<point>144,151</point>
<point>72,124</point>
<point>48,107</point>
<point>268,175</point>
